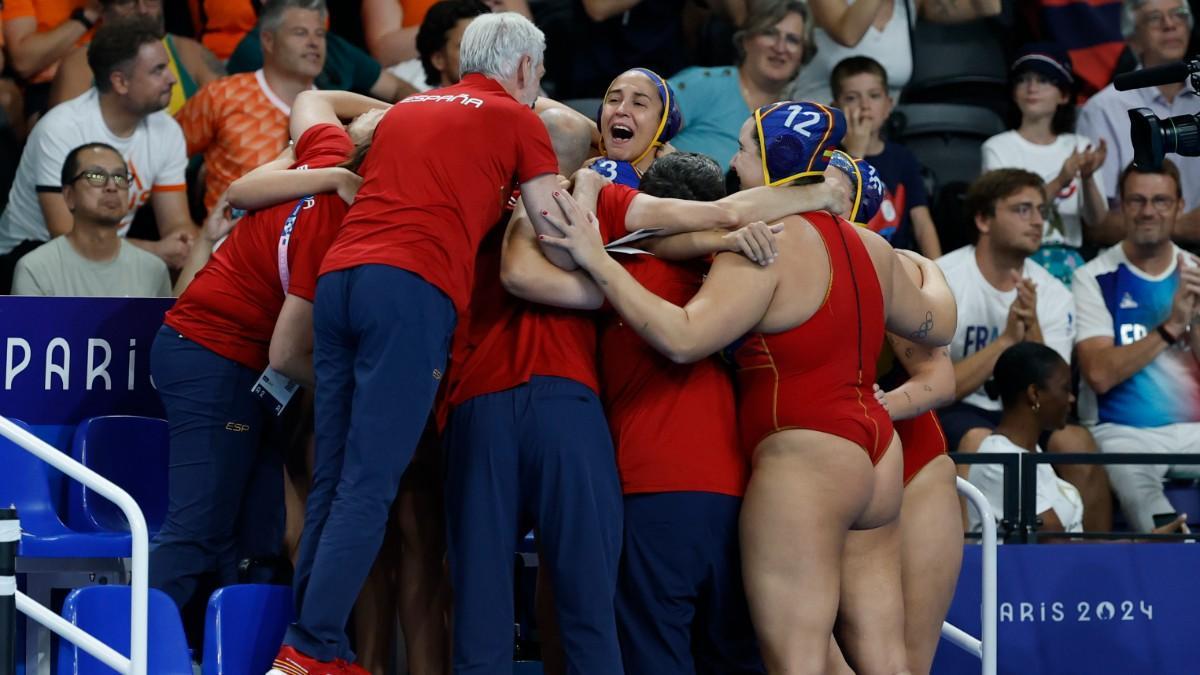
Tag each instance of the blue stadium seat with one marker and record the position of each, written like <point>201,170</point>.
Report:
<point>1184,495</point>
<point>103,611</point>
<point>24,482</point>
<point>130,451</point>
<point>244,627</point>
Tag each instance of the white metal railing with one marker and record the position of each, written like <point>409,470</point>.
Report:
<point>984,649</point>
<point>135,664</point>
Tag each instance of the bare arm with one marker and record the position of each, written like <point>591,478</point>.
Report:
<point>733,299</point>
<point>31,52</point>
<point>200,63</point>
<point>387,39</point>
<point>216,226</point>
<point>926,315</point>
<point>1095,206</point>
<point>58,218</point>
<point>260,189</point>
<point>538,196</point>
<point>291,350</point>
<point>171,212</point>
<point>526,273</point>
<point>925,232</point>
<point>846,24</point>
<point>931,373</point>
<point>328,107</point>
<point>957,11</point>
<point>599,10</point>
<point>774,203</point>
<point>1104,365</point>
<point>391,88</point>
<point>73,77</point>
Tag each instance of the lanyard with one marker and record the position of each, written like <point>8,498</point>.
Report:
<point>285,238</point>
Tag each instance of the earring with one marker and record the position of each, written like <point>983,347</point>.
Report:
<point>1037,405</point>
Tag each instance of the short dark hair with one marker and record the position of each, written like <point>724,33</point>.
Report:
<point>70,167</point>
<point>270,17</point>
<point>116,44</point>
<point>855,65</point>
<point>1019,366</point>
<point>995,185</point>
<point>684,175</point>
<point>439,20</point>
<point>1168,169</point>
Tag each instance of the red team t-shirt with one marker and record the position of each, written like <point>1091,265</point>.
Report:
<point>232,304</point>
<point>505,340</point>
<point>674,426</point>
<point>428,200</point>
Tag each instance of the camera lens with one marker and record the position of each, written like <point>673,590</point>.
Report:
<point>1153,137</point>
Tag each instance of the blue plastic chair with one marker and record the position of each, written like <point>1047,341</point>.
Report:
<point>244,627</point>
<point>24,482</point>
<point>130,451</point>
<point>103,611</point>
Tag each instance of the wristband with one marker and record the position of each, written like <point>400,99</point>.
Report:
<point>1166,335</point>
<point>81,17</point>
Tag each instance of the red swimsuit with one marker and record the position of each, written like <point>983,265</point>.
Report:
<point>819,375</point>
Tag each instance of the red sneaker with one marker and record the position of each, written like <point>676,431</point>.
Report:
<point>289,661</point>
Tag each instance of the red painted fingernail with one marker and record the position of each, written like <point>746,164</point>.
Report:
<point>555,194</point>
<point>541,236</point>
<point>545,213</point>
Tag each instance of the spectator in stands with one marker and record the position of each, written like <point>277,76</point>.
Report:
<point>1137,304</point>
<point>436,64</point>
<point>192,65</point>
<point>91,259</point>
<point>1004,299</point>
<point>1157,33</point>
<point>221,24</point>
<point>38,34</point>
<point>346,67</point>
<point>1033,383</point>
<point>241,122</point>
<point>1043,143</point>
<point>124,109</point>
<point>860,88</point>
<point>716,101</point>
<point>875,28</point>
<point>392,27</point>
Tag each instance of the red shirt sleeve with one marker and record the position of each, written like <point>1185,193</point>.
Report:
<point>611,207</point>
<point>314,235</point>
<point>535,155</point>
<point>323,145</point>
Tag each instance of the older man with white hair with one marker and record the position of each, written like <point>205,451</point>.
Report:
<point>392,287</point>
<point>1157,33</point>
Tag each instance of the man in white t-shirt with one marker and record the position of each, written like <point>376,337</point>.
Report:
<point>1004,298</point>
<point>91,260</point>
<point>1137,343</point>
<point>124,110</point>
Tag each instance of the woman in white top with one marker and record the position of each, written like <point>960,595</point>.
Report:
<point>1045,144</point>
<point>875,28</point>
<point>1034,384</point>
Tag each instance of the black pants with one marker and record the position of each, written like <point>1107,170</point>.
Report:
<point>8,263</point>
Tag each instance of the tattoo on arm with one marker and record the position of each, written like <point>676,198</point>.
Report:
<point>908,398</point>
<point>927,388</point>
<point>908,352</point>
<point>927,326</point>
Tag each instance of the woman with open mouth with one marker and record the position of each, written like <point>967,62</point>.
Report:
<point>638,117</point>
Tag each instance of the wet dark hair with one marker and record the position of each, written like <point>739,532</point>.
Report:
<point>684,175</point>
<point>439,20</point>
<point>1021,365</point>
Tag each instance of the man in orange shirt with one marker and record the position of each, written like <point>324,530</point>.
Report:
<point>241,122</point>
<point>38,34</point>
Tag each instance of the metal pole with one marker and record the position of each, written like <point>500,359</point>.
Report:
<point>989,610</point>
<point>10,539</point>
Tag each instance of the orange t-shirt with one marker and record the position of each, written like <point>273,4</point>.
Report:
<point>50,14</point>
<point>222,23</point>
<point>414,11</point>
<point>238,123</point>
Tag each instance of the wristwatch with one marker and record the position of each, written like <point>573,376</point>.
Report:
<point>81,16</point>
<point>1166,335</point>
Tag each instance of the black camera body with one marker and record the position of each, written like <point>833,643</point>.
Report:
<point>1153,136</point>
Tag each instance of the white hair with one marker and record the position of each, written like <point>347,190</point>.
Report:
<point>1129,21</point>
<point>493,45</point>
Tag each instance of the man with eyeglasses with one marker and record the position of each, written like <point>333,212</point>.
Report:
<point>1157,33</point>
<point>1005,298</point>
<point>91,259</point>
<point>1137,343</point>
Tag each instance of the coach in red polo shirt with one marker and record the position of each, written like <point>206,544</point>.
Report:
<point>440,170</point>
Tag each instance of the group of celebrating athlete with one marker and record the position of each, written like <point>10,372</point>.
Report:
<point>674,387</point>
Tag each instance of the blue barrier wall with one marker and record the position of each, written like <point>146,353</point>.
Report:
<point>1085,608</point>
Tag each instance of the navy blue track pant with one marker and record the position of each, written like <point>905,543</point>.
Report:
<point>381,336</point>
<point>535,455</point>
